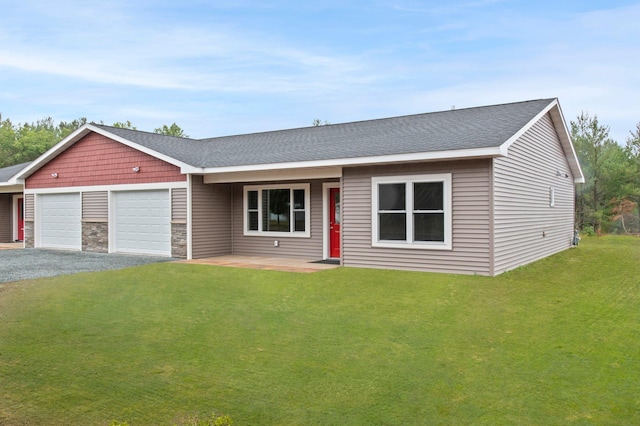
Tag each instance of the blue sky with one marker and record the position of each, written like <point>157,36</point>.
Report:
<point>227,67</point>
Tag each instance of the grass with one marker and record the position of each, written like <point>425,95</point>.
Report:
<point>556,342</point>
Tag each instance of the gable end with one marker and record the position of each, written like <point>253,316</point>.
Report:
<point>98,160</point>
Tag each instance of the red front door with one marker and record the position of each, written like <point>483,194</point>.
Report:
<point>20,216</point>
<point>334,222</point>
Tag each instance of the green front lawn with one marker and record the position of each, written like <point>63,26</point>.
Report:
<point>556,342</point>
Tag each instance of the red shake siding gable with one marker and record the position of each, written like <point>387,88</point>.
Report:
<point>98,160</point>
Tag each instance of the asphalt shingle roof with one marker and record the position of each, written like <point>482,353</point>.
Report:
<point>7,173</point>
<point>470,128</point>
<point>189,151</point>
<point>458,129</point>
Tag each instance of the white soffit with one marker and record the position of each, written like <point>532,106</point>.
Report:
<point>9,188</point>
<point>269,175</point>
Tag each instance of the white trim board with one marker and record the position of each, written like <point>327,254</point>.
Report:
<point>123,187</point>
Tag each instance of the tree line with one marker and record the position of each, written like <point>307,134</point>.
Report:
<point>608,200</point>
<point>606,203</point>
<point>24,142</point>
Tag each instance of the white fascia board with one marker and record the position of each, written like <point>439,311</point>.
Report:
<point>363,161</point>
<point>85,130</point>
<point>505,146</point>
<point>15,181</point>
<point>565,138</point>
<point>563,134</point>
<point>184,167</point>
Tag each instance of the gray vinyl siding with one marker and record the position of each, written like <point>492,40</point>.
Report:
<point>179,205</point>
<point>470,252</point>
<point>29,207</point>
<point>6,218</point>
<point>210,219</point>
<point>294,247</point>
<point>95,206</point>
<point>526,227</point>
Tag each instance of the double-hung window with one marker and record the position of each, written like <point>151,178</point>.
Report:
<point>277,210</point>
<point>412,211</point>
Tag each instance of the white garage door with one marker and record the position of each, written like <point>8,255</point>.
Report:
<point>60,225</point>
<point>143,222</point>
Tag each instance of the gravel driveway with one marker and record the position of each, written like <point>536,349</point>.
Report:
<point>24,264</point>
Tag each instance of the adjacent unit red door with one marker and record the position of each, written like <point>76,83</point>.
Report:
<point>20,217</point>
<point>334,222</point>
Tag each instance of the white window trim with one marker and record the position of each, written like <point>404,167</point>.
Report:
<point>445,178</point>
<point>291,187</point>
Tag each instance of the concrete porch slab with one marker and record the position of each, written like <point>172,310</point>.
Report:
<point>11,246</point>
<point>267,263</point>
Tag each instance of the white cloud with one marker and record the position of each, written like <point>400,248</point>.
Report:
<point>182,58</point>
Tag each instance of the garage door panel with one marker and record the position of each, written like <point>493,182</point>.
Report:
<point>60,221</point>
<point>143,222</point>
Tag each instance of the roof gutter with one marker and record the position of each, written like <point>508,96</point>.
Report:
<point>357,161</point>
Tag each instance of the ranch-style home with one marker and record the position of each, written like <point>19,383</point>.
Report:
<point>473,191</point>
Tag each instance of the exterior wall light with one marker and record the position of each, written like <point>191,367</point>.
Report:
<point>136,169</point>
<point>54,175</point>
